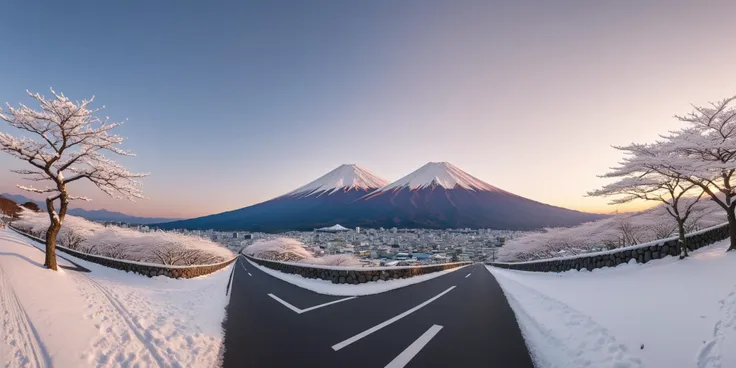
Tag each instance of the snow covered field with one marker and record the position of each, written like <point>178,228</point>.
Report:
<point>666,313</point>
<point>328,288</point>
<point>105,318</point>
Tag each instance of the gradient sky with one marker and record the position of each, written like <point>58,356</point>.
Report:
<point>230,104</point>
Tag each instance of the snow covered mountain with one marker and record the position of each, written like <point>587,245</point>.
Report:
<point>321,203</point>
<point>343,178</point>
<point>438,195</point>
<point>441,174</point>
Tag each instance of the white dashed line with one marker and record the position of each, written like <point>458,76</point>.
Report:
<point>406,356</point>
<point>375,328</point>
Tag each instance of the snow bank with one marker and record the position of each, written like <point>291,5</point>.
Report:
<point>104,318</point>
<point>666,313</point>
<point>292,250</point>
<point>368,288</point>
<point>119,243</point>
<point>345,260</point>
<point>278,249</point>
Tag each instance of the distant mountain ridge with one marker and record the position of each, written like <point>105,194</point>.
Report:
<point>438,195</point>
<point>94,215</point>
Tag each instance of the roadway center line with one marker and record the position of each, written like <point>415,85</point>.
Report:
<point>241,265</point>
<point>249,274</point>
<point>468,275</point>
<point>406,356</point>
<point>375,328</point>
<point>300,311</point>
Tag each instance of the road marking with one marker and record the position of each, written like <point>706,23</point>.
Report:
<point>241,265</point>
<point>300,311</point>
<point>287,305</point>
<point>375,328</point>
<point>249,274</point>
<point>468,275</point>
<point>406,356</point>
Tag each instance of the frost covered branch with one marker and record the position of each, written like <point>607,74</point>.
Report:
<point>70,138</point>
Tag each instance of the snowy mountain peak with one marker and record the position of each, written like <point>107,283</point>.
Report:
<point>344,177</point>
<point>442,174</point>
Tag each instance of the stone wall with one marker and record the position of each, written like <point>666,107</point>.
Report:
<point>147,269</point>
<point>641,253</point>
<point>339,275</point>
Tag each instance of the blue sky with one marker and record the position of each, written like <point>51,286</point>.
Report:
<point>232,103</point>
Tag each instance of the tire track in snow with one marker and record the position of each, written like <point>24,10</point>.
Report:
<point>128,320</point>
<point>580,332</point>
<point>19,334</point>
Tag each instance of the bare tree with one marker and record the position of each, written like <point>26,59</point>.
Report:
<point>662,230</point>
<point>71,239</point>
<point>70,139</point>
<point>175,255</point>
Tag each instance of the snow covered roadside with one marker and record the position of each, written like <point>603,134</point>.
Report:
<point>666,313</point>
<point>328,288</point>
<point>105,318</point>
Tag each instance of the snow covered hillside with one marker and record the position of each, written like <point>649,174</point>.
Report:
<point>666,313</point>
<point>104,318</point>
<point>609,233</point>
<point>292,250</point>
<point>128,244</point>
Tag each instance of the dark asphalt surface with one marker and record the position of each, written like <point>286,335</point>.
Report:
<point>478,326</point>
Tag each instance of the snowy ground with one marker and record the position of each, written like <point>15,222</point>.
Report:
<point>368,288</point>
<point>105,318</point>
<point>666,313</point>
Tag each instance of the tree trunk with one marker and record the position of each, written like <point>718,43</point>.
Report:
<point>732,229</point>
<point>51,244</point>
<point>682,241</point>
<point>54,227</point>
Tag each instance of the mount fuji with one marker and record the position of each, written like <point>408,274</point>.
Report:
<point>321,203</point>
<point>438,195</point>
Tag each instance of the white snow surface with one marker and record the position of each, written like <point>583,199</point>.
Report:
<point>369,288</point>
<point>665,313</point>
<point>443,174</point>
<point>105,318</point>
<point>344,177</point>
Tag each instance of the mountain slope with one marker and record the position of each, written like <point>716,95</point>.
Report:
<point>94,215</point>
<point>318,204</point>
<point>437,195</point>
<point>440,195</point>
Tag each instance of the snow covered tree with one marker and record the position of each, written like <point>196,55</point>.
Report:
<point>705,155</point>
<point>639,181</point>
<point>70,139</point>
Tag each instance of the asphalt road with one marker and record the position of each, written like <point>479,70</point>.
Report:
<point>453,320</point>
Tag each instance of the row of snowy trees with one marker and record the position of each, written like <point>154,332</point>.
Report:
<point>678,171</point>
<point>616,231</point>
<point>128,244</point>
<point>292,250</point>
<point>696,161</point>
